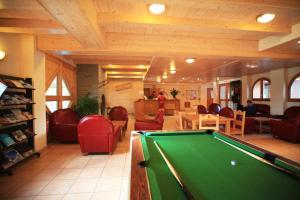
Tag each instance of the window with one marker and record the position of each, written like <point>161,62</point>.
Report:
<point>52,105</point>
<point>52,90</point>
<point>65,90</point>
<point>224,95</point>
<point>294,89</point>
<point>261,89</point>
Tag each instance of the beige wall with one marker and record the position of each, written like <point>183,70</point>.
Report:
<point>182,87</point>
<point>126,97</point>
<point>23,60</point>
<point>204,93</point>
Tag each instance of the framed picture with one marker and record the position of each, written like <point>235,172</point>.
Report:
<point>192,94</point>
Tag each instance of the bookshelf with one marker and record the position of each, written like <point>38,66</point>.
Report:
<point>16,122</point>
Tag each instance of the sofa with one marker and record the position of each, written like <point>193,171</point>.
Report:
<point>119,113</point>
<point>97,134</point>
<point>63,125</point>
<point>201,109</point>
<point>151,124</point>
<point>287,128</point>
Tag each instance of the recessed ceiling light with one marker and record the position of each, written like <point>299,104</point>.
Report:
<point>265,18</point>
<point>190,60</point>
<point>157,8</point>
<point>251,66</point>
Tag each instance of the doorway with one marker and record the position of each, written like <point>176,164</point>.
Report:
<point>210,96</point>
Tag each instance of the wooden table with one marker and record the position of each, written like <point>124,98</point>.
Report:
<point>261,121</point>
<point>194,119</point>
<point>121,124</point>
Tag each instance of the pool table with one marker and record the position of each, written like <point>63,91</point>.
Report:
<point>211,165</point>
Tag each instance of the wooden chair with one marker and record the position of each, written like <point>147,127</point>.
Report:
<point>238,123</point>
<point>180,125</point>
<point>208,121</point>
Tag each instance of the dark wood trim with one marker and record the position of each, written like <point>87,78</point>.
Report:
<point>261,89</point>
<point>139,186</point>
<point>289,89</point>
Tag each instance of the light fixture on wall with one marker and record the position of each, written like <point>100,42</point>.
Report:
<point>157,8</point>
<point>265,18</point>
<point>172,68</point>
<point>2,54</point>
<point>165,75</point>
<point>190,60</point>
<point>298,41</point>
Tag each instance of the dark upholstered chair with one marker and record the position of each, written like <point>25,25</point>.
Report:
<point>262,110</point>
<point>201,109</point>
<point>147,124</point>
<point>226,112</point>
<point>119,113</point>
<point>287,128</point>
<point>97,134</point>
<point>214,108</point>
<point>63,125</point>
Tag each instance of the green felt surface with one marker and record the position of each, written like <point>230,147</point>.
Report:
<point>203,162</point>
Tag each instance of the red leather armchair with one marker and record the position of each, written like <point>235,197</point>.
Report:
<point>214,108</point>
<point>226,112</point>
<point>201,109</point>
<point>119,113</point>
<point>97,134</point>
<point>287,128</point>
<point>63,125</point>
<point>156,124</point>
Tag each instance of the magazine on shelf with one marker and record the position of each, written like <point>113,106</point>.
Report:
<point>26,85</point>
<point>19,136</point>
<point>1,146</point>
<point>9,83</point>
<point>28,132</point>
<point>18,114</point>
<point>7,164</point>
<point>10,117</point>
<point>13,156</point>
<point>6,140</point>
<point>3,120</point>
<point>17,83</point>
<point>28,115</point>
<point>2,88</point>
<point>28,153</point>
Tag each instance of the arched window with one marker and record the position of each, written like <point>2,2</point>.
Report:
<point>294,89</point>
<point>261,89</point>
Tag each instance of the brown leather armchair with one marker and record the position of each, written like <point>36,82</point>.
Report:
<point>226,112</point>
<point>287,128</point>
<point>201,109</point>
<point>147,124</point>
<point>63,125</point>
<point>119,113</point>
<point>97,134</point>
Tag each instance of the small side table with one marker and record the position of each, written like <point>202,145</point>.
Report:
<point>261,121</point>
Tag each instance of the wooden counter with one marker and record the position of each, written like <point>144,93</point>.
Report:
<point>150,107</point>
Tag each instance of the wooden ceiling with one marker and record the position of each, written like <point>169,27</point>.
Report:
<point>221,34</point>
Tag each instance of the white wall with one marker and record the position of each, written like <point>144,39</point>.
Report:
<point>23,60</point>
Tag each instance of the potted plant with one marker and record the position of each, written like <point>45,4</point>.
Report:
<point>174,93</point>
<point>87,105</point>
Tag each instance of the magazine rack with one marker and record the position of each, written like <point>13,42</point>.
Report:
<point>16,122</point>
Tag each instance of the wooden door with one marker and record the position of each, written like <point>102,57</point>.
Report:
<point>210,98</point>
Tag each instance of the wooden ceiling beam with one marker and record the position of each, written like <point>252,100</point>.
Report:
<point>79,17</point>
<point>29,23</point>
<point>144,45</point>
<point>108,62</point>
<point>110,18</point>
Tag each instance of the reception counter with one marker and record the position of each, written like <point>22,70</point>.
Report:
<point>150,107</point>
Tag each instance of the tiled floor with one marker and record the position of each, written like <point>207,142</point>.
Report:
<point>62,172</point>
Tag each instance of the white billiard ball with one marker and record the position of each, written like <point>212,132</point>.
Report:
<point>233,162</point>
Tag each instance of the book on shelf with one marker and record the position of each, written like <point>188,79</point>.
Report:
<point>6,140</point>
<point>19,136</point>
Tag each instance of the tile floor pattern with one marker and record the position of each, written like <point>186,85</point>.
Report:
<point>63,173</point>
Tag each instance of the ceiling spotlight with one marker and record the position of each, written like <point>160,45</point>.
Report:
<point>110,65</point>
<point>173,71</point>
<point>158,79</point>
<point>165,76</point>
<point>157,8</point>
<point>198,79</point>
<point>2,54</point>
<point>265,18</point>
<point>190,60</point>
<point>298,41</point>
<point>251,66</point>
